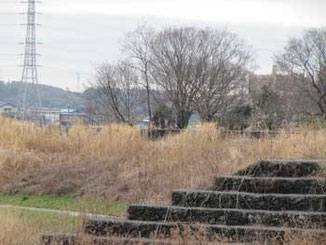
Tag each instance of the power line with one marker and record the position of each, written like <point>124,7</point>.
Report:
<point>8,54</point>
<point>1,13</point>
<point>10,24</point>
<point>8,3</point>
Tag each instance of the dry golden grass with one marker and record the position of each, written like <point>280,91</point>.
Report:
<point>118,162</point>
<point>306,238</point>
<point>13,232</point>
<point>19,227</point>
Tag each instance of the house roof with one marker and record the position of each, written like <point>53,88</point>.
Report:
<point>2,103</point>
<point>71,112</point>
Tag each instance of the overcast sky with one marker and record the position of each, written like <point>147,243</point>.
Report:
<point>79,34</point>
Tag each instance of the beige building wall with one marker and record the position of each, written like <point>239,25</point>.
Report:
<point>293,101</point>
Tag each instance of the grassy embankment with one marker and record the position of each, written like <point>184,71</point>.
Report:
<point>119,165</point>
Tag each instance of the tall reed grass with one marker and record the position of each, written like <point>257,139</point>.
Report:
<point>116,161</point>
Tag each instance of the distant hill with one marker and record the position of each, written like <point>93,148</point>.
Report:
<point>51,96</point>
<point>55,97</point>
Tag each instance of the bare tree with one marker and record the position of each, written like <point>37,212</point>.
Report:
<point>137,46</point>
<point>193,69</point>
<point>115,92</point>
<point>201,70</point>
<point>305,60</point>
<point>174,63</point>
<point>224,65</point>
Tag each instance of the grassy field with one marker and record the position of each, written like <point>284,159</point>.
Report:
<point>115,166</point>
<point>19,227</point>
<point>94,205</point>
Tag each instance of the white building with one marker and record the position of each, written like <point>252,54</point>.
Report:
<point>47,115</point>
<point>7,109</point>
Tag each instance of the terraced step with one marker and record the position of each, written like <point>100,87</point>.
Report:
<point>128,228</point>
<point>242,200</point>
<point>227,216</point>
<point>271,185</point>
<point>263,203</point>
<point>285,168</point>
<point>70,239</point>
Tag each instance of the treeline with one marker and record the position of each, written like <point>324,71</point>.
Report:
<point>183,70</point>
<point>187,70</point>
<point>168,75</point>
<point>8,91</point>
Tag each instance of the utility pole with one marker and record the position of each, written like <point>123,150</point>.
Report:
<point>29,101</point>
<point>78,81</point>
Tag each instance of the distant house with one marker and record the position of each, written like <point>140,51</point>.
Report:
<point>194,120</point>
<point>144,124</point>
<point>46,114</point>
<point>51,115</point>
<point>71,116</point>
<point>7,109</point>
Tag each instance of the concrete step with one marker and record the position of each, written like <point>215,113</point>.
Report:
<point>228,216</point>
<point>285,168</point>
<point>128,228</point>
<point>243,200</point>
<point>70,239</point>
<point>271,185</point>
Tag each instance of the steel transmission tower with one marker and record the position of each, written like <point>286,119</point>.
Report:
<point>29,104</point>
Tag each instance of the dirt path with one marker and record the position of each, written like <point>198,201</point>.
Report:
<point>46,210</point>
